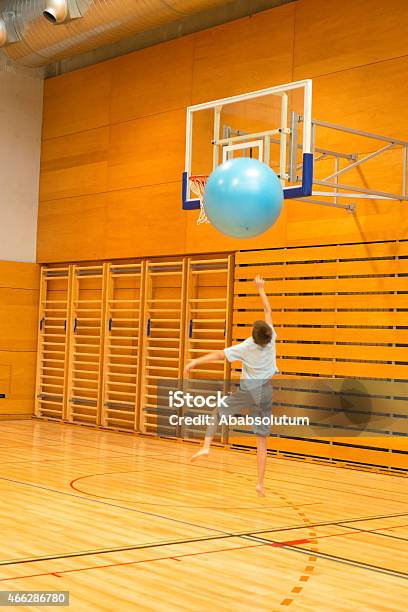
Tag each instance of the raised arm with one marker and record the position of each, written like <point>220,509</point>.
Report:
<point>260,284</point>
<point>214,356</point>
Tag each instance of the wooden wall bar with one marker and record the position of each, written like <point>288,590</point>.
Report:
<point>123,344</point>
<point>163,343</point>
<point>208,316</point>
<point>123,334</point>
<point>208,325</point>
<point>53,348</point>
<point>84,385</point>
<point>112,335</point>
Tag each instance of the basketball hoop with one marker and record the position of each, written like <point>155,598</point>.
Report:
<point>198,183</point>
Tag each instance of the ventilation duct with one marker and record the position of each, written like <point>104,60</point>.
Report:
<point>8,31</point>
<point>37,42</point>
<point>61,11</point>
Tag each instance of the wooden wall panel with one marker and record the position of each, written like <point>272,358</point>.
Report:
<point>77,101</point>
<point>327,225</point>
<point>145,221</point>
<point>74,228</point>
<point>5,376</point>
<point>18,306</point>
<point>74,165</point>
<point>19,290</point>
<point>17,275</point>
<point>147,151</point>
<point>19,401</point>
<point>166,85</point>
<point>244,55</point>
<point>206,238</point>
<point>125,223</point>
<point>332,37</point>
<point>364,98</point>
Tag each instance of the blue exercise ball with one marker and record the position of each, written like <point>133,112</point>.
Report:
<point>243,197</point>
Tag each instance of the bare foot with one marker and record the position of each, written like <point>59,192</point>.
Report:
<point>201,453</point>
<point>260,490</point>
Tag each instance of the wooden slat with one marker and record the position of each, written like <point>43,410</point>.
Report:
<point>348,403</point>
<point>331,334</point>
<point>307,269</point>
<point>318,253</point>
<point>347,368</point>
<point>327,285</point>
<point>344,351</point>
<point>375,318</point>
<point>354,301</point>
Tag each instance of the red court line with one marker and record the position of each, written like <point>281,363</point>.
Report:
<point>171,557</point>
<point>332,535</point>
<point>206,552</point>
<point>73,486</point>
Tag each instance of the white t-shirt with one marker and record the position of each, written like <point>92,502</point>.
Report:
<point>258,362</point>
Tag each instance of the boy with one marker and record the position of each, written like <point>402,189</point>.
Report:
<point>258,356</point>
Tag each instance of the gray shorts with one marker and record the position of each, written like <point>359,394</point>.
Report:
<point>257,402</point>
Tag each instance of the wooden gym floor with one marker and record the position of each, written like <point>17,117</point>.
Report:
<point>126,522</point>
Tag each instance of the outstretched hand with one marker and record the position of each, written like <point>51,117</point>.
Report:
<point>259,282</point>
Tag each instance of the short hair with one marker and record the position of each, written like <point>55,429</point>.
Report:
<point>261,333</point>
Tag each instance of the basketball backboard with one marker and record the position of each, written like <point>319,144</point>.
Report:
<point>272,125</point>
<point>317,161</point>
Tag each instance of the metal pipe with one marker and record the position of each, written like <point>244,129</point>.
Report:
<point>359,162</point>
<point>294,118</point>
<point>341,128</point>
<point>336,174</point>
<point>348,207</point>
<point>246,145</point>
<point>385,194</point>
<point>351,156</point>
<point>283,138</point>
<point>246,136</point>
<point>361,196</point>
<point>216,135</point>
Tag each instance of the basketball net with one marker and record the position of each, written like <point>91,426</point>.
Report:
<point>197,187</point>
